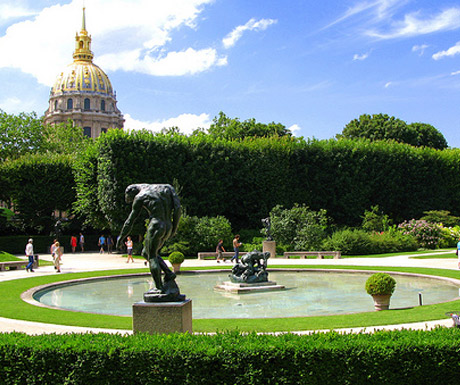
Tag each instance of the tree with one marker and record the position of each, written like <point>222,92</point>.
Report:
<point>233,129</point>
<point>428,136</point>
<point>301,227</point>
<point>19,134</point>
<point>24,134</point>
<point>384,127</point>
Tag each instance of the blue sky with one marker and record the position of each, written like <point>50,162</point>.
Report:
<point>310,65</point>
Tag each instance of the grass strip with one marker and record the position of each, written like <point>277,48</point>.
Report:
<point>14,307</point>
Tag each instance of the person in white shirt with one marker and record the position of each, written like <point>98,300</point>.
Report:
<point>30,255</point>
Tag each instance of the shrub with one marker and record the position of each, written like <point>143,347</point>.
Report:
<point>427,234</point>
<point>301,227</point>
<point>360,242</point>
<point>196,234</point>
<point>380,284</point>
<point>349,242</point>
<point>375,220</point>
<point>176,257</point>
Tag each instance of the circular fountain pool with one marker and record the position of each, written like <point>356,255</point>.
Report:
<point>307,293</point>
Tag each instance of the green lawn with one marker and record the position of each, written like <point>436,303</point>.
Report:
<point>14,307</point>
<point>7,257</point>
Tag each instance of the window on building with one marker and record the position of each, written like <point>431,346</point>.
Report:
<point>55,105</point>
<point>87,131</point>
<point>69,104</point>
<point>102,105</point>
<point>87,105</point>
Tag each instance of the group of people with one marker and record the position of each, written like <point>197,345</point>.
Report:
<point>56,252</point>
<point>220,250</point>
<point>105,242</point>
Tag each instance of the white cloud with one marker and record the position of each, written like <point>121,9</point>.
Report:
<point>10,11</point>
<point>420,49</point>
<point>414,25</point>
<point>364,56</point>
<point>252,25</point>
<point>187,62</point>
<point>141,29</point>
<point>187,123</point>
<point>452,51</point>
<point>372,10</point>
<point>455,73</point>
<point>388,84</point>
<point>294,129</point>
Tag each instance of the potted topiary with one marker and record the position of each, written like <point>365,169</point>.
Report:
<point>381,286</point>
<point>176,258</point>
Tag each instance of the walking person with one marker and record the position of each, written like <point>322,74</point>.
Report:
<point>82,242</point>
<point>458,253</point>
<point>57,256</point>
<point>101,244</point>
<point>129,249</point>
<point>236,248</point>
<point>109,244</point>
<point>220,250</point>
<point>30,254</point>
<point>53,251</point>
<point>73,243</point>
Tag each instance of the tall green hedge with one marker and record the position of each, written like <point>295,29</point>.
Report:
<point>37,185</point>
<point>400,357</point>
<point>244,180</point>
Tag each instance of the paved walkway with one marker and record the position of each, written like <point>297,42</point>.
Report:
<point>80,262</point>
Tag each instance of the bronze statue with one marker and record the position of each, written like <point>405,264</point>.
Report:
<point>164,210</point>
<point>267,227</point>
<point>252,268</point>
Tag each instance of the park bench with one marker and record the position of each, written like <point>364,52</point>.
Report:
<point>317,254</point>
<point>13,265</point>
<point>213,255</point>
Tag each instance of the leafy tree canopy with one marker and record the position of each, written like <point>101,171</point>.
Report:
<point>384,127</point>
<point>233,129</point>
<point>24,133</point>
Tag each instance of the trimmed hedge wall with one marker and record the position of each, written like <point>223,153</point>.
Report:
<point>244,180</point>
<point>37,185</point>
<point>398,357</point>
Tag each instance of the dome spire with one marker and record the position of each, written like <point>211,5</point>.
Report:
<point>83,24</point>
<point>83,43</point>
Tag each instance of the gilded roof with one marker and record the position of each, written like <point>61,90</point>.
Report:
<point>81,76</point>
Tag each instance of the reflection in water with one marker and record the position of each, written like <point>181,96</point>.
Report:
<point>306,294</point>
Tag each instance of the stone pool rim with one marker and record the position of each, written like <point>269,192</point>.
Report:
<point>28,295</point>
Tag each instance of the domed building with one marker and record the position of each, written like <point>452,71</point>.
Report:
<point>83,93</point>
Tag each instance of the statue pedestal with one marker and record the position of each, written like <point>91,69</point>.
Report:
<point>242,288</point>
<point>162,317</point>
<point>269,246</point>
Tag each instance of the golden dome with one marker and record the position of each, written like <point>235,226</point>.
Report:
<point>81,76</point>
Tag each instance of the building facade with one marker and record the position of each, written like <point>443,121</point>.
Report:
<point>83,93</point>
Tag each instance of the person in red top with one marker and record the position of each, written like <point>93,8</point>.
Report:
<point>73,243</point>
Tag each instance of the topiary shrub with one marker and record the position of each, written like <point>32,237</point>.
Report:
<point>380,284</point>
<point>176,257</point>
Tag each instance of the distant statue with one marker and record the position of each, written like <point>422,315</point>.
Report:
<point>268,226</point>
<point>164,210</point>
<point>252,268</point>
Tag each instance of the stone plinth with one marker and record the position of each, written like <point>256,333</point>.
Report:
<point>269,246</point>
<point>242,288</point>
<point>162,318</point>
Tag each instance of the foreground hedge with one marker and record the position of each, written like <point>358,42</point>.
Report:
<point>406,357</point>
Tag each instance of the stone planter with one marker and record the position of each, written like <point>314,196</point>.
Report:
<point>381,302</point>
<point>176,267</point>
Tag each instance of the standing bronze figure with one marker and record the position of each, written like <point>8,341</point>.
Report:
<point>163,207</point>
